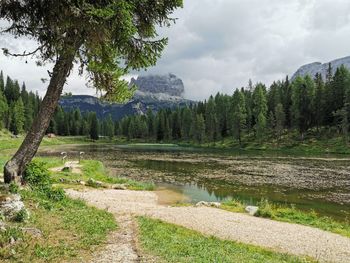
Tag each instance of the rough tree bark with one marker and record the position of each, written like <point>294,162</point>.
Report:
<point>14,168</point>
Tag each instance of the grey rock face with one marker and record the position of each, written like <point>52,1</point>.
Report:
<point>318,67</point>
<point>167,84</point>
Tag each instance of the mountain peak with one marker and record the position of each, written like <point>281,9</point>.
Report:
<point>168,84</point>
<point>317,67</point>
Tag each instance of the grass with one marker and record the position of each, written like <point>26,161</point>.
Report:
<point>95,170</point>
<point>292,215</point>
<point>7,142</point>
<point>177,244</point>
<point>71,230</point>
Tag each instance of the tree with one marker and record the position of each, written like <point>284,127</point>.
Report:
<point>303,91</point>
<point>239,115</point>
<point>94,126</point>
<point>260,110</point>
<point>17,120</point>
<point>319,104</point>
<point>186,121</point>
<point>280,120</point>
<point>109,127</point>
<point>211,122</point>
<point>2,83</point>
<point>198,129</point>
<point>107,39</point>
<point>3,108</point>
<point>343,122</point>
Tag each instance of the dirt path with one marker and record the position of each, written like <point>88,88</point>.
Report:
<point>279,236</point>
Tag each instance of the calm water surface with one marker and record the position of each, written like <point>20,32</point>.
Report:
<point>185,177</point>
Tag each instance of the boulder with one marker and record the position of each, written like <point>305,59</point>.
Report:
<point>10,205</point>
<point>252,210</point>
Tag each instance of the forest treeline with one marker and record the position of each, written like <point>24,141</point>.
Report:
<point>18,108</point>
<point>255,111</point>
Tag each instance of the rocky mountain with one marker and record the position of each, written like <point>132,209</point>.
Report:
<point>160,84</point>
<point>317,67</point>
<point>154,92</point>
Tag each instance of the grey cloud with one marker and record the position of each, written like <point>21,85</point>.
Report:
<point>218,45</point>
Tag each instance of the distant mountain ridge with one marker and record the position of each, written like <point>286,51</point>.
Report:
<point>154,92</point>
<point>317,67</point>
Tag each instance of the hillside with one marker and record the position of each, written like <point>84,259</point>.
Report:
<point>154,92</point>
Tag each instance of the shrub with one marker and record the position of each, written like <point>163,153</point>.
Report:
<point>57,194</point>
<point>38,178</point>
<point>21,216</point>
<point>13,188</point>
<point>36,175</point>
<point>265,209</point>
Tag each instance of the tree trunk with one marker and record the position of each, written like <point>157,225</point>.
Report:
<point>14,168</point>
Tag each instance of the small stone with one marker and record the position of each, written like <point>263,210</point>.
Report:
<point>252,210</point>
<point>12,240</point>
<point>32,231</point>
<point>119,187</point>
<point>208,204</point>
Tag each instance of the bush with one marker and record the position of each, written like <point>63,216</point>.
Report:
<point>57,194</point>
<point>36,175</point>
<point>265,209</point>
<point>13,188</point>
<point>21,216</point>
<point>38,178</point>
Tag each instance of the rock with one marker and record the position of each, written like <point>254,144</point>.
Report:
<point>93,183</point>
<point>119,187</point>
<point>252,210</point>
<point>32,231</point>
<point>164,84</point>
<point>317,67</point>
<point>12,240</point>
<point>2,226</point>
<point>11,205</point>
<point>208,204</point>
<point>82,183</point>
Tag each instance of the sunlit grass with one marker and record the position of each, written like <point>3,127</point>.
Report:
<point>177,244</point>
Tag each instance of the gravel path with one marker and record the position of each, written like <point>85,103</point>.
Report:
<point>279,236</point>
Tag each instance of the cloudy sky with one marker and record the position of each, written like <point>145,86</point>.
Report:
<point>218,45</point>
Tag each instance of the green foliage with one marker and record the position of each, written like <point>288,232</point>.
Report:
<point>110,39</point>
<point>37,175</point>
<point>94,127</point>
<point>38,178</point>
<point>265,209</point>
<point>21,215</point>
<point>13,188</point>
<point>177,244</point>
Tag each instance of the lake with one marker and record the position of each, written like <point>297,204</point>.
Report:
<point>183,174</point>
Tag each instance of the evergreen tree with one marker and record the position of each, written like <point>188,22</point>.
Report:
<point>94,126</point>
<point>3,109</point>
<point>109,127</point>
<point>260,110</point>
<point>211,124</point>
<point>302,103</point>
<point>186,121</point>
<point>319,103</point>
<point>198,129</point>
<point>280,120</point>
<point>17,120</point>
<point>2,83</point>
<point>239,115</point>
